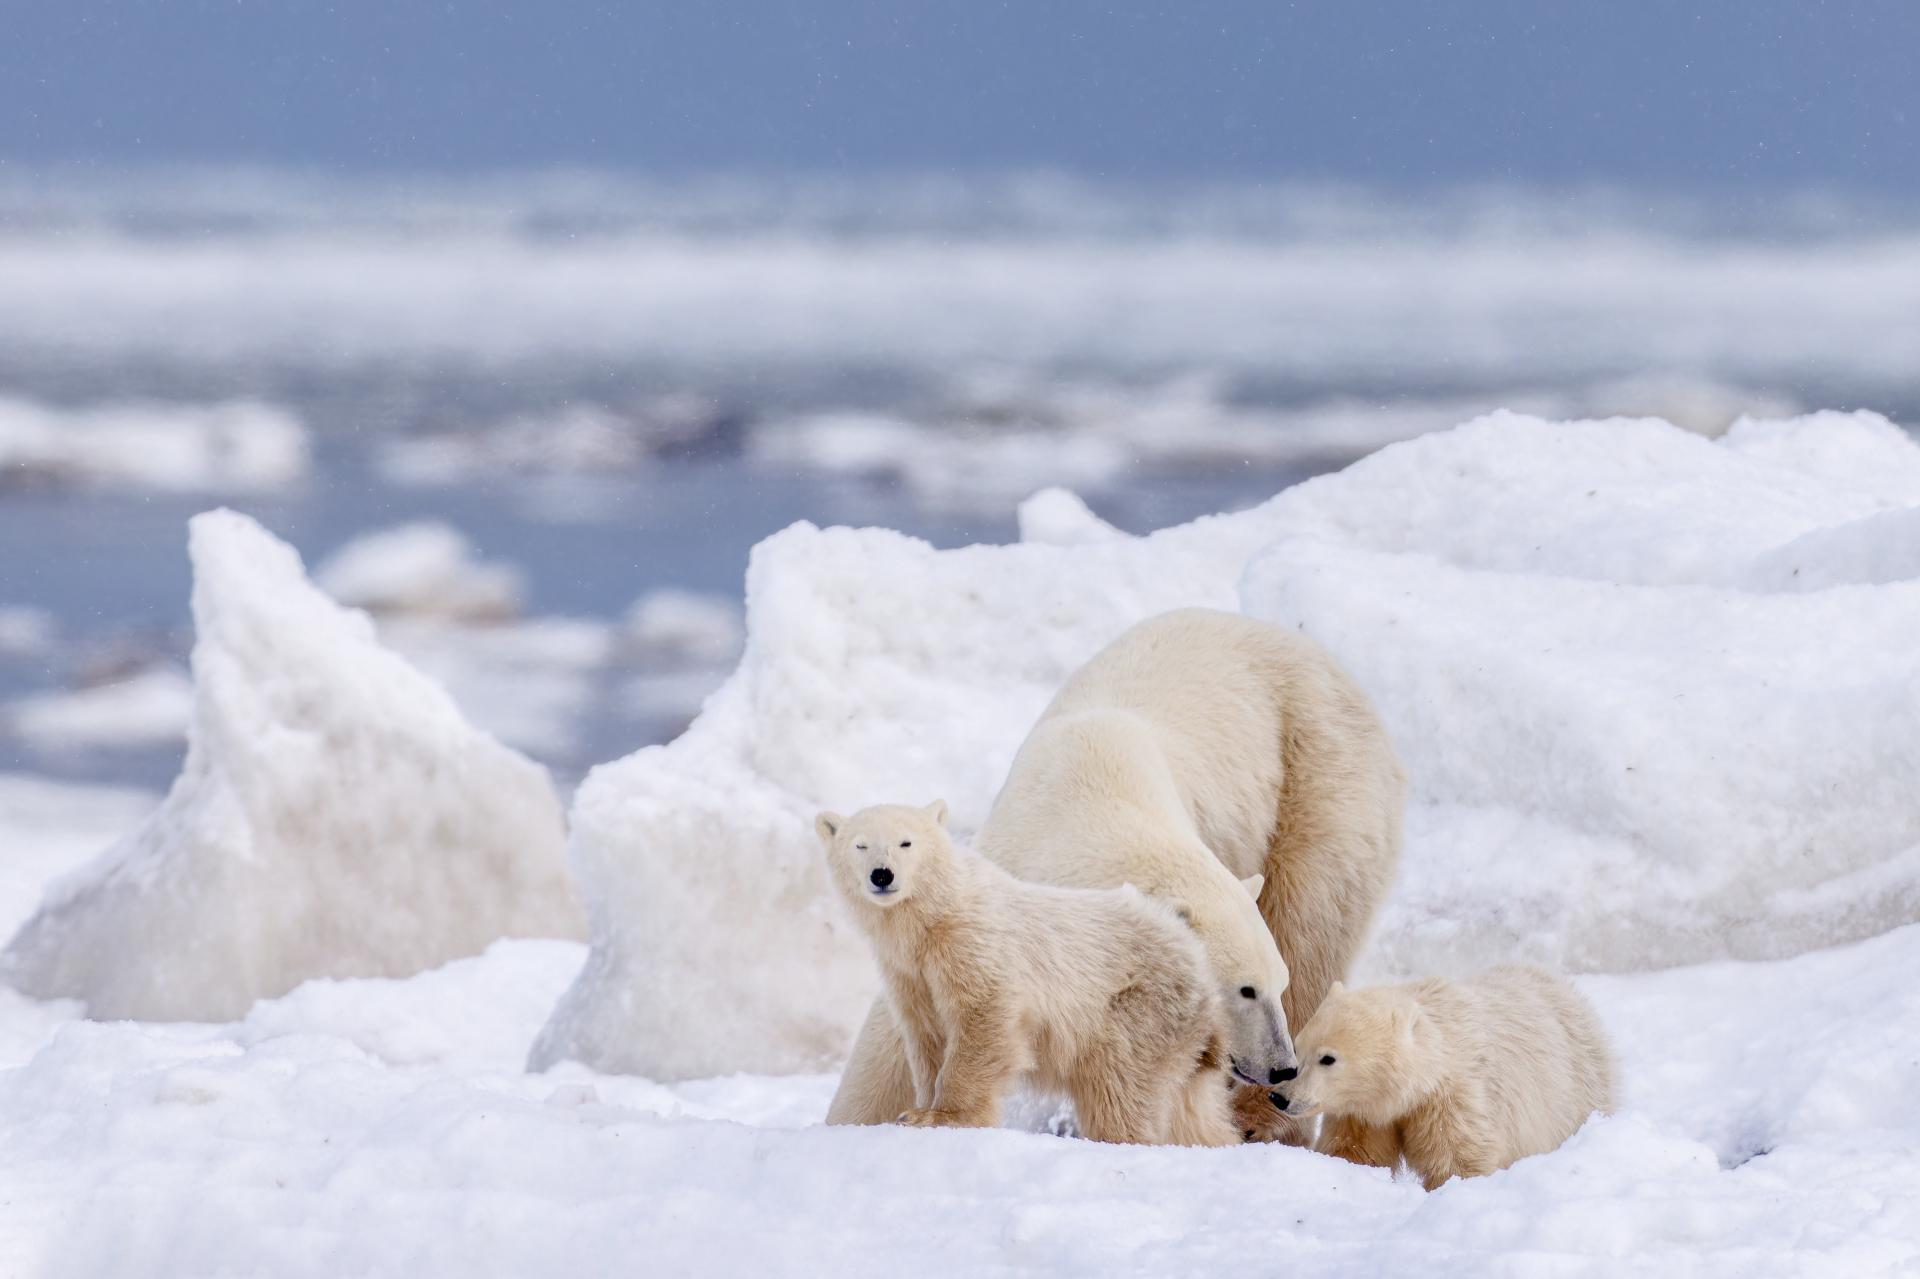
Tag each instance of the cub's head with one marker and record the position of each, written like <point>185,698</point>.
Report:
<point>881,854</point>
<point>1364,1054</point>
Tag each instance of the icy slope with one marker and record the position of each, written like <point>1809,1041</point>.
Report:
<point>1627,749</point>
<point>335,816</point>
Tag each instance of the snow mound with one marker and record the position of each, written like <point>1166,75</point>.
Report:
<point>152,706</point>
<point>1060,517</point>
<point>686,626</point>
<point>335,817</point>
<point>422,569</point>
<point>238,447</point>
<point>1620,758</point>
<point>1638,733</point>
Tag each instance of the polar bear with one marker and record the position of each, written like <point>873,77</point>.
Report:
<point>1103,994</point>
<point>1203,757</point>
<point>1459,1078</point>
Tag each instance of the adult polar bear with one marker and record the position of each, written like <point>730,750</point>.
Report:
<point>1199,750</point>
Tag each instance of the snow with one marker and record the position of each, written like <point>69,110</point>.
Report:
<point>151,706</point>
<point>686,626</point>
<point>368,1126</point>
<point>1575,704</point>
<point>426,568</point>
<point>47,828</point>
<point>572,438</point>
<point>1060,517</point>
<point>529,683</point>
<point>1528,602</point>
<point>238,446</point>
<point>335,816</point>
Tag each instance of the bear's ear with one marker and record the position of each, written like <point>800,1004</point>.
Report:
<point>938,811</point>
<point>1253,884</point>
<point>1335,989</point>
<point>1405,1018</point>
<point>827,825</point>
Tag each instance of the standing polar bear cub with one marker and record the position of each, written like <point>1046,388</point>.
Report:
<point>1459,1078</point>
<point>1104,995</point>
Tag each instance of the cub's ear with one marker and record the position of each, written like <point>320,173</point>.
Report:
<point>938,811</point>
<point>1253,884</point>
<point>1405,1018</point>
<point>827,825</point>
<point>1335,989</point>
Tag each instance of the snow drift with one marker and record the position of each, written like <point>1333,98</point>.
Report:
<point>335,817</point>
<point>238,446</point>
<point>1627,748</point>
<point>424,569</point>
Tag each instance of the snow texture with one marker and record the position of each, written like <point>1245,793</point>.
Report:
<point>238,447</point>
<point>335,817</point>
<point>1768,1128</point>
<point>1624,753</point>
<point>422,569</point>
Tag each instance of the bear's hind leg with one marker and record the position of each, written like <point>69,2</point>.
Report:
<point>877,1083</point>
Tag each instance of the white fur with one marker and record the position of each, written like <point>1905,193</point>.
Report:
<point>1199,756</point>
<point>1459,1078</point>
<point>1103,994</point>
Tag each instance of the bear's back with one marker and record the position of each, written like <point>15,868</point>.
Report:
<point>1535,1049</point>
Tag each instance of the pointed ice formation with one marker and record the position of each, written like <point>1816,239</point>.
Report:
<point>336,817</point>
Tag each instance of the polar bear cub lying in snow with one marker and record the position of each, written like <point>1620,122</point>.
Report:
<point>1459,1078</point>
<point>1104,994</point>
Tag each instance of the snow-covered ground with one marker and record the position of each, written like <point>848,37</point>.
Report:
<point>1657,697</point>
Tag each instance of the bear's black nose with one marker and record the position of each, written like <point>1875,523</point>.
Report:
<point>1281,1076</point>
<point>881,877</point>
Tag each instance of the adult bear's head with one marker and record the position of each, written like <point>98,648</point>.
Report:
<point>1248,967</point>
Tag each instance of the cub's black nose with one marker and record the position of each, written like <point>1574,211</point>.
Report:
<point>1281,1076</point>
<point>1279,1100</point>
<point>881,877</point>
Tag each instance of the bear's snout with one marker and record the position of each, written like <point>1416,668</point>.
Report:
<point>1282,1076</point>
<point>880,878</point>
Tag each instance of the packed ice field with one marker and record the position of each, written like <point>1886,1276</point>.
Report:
<point>366,998</point>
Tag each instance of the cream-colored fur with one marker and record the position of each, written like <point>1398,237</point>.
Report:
<point>1104,995</point>
<point>1199,750</point>
<point>1458,1078</point>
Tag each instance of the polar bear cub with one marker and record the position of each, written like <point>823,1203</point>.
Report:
<point>1104,994</point>
<point>1459,1078</point>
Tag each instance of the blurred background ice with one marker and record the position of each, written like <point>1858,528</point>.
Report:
<point>525,324</point>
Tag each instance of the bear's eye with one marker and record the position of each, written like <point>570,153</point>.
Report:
<point>1247,992</point>
<point>906,843</point>
<point>1327,1060</point>
<point>860,848</point>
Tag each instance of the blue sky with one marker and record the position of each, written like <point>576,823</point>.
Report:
<point>1721,92</point>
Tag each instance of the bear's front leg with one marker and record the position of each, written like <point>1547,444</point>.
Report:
<point>922,1036</point>
<point>1375,1145</point>
<point>980,1065</point>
